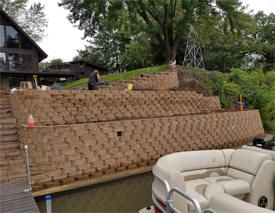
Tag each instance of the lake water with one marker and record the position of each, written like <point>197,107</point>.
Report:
<point>126,195</point>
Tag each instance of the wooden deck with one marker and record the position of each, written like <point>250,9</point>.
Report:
<point>13,199</point>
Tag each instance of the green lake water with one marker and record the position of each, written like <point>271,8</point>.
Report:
<point>126,195</point>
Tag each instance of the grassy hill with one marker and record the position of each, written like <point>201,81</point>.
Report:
<point>82,83</point>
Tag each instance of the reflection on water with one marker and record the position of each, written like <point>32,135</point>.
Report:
<point>125,195</point>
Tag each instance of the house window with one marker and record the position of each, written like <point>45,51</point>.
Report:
<point>12,37</point>
<point>14,62</point>
<point>26,62</point>
<point>20,62</point>
<point>2,36</point>
<point>2,61</point>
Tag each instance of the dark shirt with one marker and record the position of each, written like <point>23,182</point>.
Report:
<point>93,79</point>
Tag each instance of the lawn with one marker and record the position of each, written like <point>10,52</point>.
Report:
<point>82,83</point>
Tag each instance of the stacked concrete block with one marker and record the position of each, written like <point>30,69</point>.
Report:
<point>74,107</point>
<point>113,86</point>
<point>157,81</point>
<point>66,153</point>
<point>147,81</point>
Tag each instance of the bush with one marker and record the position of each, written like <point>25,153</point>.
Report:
<point>257,89</point>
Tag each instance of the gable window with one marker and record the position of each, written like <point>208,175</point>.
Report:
<point>2,36</point>
<point>12,37</point>
<point>25,43</point>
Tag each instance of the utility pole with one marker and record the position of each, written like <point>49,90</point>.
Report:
<point>193,54</point>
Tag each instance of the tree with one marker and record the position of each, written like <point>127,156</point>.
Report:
<point>165,21</point>
<point>32,19</point>
<point>250,44</point>
<point>137,53</point>
<point>264,35</point>
<point>56,62</point>
<point>105,49</point>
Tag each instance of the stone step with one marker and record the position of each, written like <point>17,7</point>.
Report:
<point>4,100</point>
<point>7,132</point>
<point>3,111</point>
<point>5,106</point>
<point>5,116</point>
<point>12,156</point>
<point>10,172</point>
<point>15,160</point>
<point>7,126</point>
<point>4,95</point>
<point>8,138</point>
<point>8,121</point>
<point>9,145</point>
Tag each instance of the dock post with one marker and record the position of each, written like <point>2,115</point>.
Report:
<point>48,204</point>
<point>28,169</point>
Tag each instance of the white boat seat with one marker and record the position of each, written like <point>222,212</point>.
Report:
<point>224,203</point>
<point>218,179</point>
<point>233,172</point>
<point>231,186</point>
<point>195,188</point>
<point>235,187</point>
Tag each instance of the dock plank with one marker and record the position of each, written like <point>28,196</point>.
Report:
<point>14,199</point>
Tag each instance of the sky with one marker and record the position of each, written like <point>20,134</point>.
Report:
<point>63,39</point>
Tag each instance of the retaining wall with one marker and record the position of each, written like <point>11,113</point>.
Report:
<point>157,81</point>
<point>63,154</point>
<point>71,107</point>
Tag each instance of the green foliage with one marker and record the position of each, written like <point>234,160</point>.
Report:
<point>256,87</point>
<point>82,83</point>
<point>249,44</point>
<point>32,19</point>
<point>55,62</point>
<point>105,49</point>
<point>165,22</point>
<point>137,54</point>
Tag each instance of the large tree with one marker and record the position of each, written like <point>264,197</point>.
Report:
<point>250,44</point>
<point>165,21</point>
<point>31,18</point>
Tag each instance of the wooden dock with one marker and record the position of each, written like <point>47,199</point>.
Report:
<point>13,199</point>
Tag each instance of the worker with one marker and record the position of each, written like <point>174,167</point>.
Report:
<point>93,79</point>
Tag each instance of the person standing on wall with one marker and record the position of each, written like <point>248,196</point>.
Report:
<point>93,79</point>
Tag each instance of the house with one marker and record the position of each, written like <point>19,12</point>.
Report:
<point>80,68</point>
<point>20,55</point>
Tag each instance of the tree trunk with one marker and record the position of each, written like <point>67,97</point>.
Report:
<point>171,53</point>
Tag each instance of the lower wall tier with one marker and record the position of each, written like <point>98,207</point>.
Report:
<point>64,154</point>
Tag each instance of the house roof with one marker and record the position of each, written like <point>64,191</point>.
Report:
<point>89,64</point>
<point>41,54</point>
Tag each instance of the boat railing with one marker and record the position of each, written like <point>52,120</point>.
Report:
<point>168,208</point>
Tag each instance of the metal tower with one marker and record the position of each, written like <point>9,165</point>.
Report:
<point>193,54</point>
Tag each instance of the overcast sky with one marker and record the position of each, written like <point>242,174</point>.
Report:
<point>63,39</point>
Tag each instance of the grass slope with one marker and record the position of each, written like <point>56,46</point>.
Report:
<point>82,83</point>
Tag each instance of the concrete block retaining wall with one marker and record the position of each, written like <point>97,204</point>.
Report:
<point>72,107</point>
<point>62,154</point>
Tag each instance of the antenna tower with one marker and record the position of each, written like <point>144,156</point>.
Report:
<point>193,54</point>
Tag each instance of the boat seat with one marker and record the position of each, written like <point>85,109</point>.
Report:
<point>204,173</point>
<point>224,203</point>
<point>235,187</point>
<point>195,188</point>
<point>218,179</point>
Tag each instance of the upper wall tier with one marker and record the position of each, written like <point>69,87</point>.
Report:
<point>71,107</point>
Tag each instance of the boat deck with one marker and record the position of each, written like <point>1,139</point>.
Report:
<point>14,199</point>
